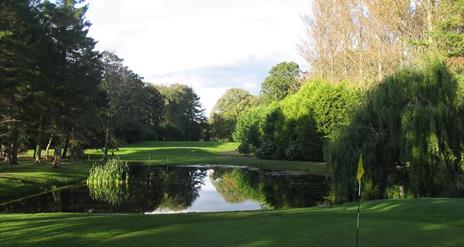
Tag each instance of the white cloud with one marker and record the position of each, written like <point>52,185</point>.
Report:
<point>179,40</point>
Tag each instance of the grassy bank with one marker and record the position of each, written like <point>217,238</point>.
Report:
<point>177,153</point>
<point>28,178</point>
<point>421,222</point>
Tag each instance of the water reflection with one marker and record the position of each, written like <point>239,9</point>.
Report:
<point>171,189</point>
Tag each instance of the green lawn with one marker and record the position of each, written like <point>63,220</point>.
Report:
<point>28,178</point>
<point>420,222</point>
<point>201,153</point>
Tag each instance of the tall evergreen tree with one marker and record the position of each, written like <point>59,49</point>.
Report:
<point>73,68</point>
<point>19,35</point>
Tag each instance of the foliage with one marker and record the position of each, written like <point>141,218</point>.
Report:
<point>50,74</point>
<point>364,41</point>
<point>408,133</point>
<point>297,127</point>
<point>448,32</point>
<point>247,128</point>
<point>244,148</point>
<point>108,182</point>
<point>233,102</point>
<point>112,193</point>
<point>183,113</point>
<point>283,79</point>
<point>114,171</point>
<point>238,186</point>
<point>221,127</point>
<point>226,111</point>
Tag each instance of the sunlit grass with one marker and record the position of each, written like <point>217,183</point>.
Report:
<point>28,178</point>
<point>20,180</point>
<point>420,222</point>
<point>178,153</point>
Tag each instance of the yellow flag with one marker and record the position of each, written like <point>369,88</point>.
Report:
<point>360,172</point>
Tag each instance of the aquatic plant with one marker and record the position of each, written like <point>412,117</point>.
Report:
<point>108,182</point>
<point>112,193</point>
<point>113,171</point>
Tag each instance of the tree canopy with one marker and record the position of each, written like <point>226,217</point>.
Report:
<point>185,118</point>
<point>283,79</point>
<point>226,111</point>
<point>408,133</point>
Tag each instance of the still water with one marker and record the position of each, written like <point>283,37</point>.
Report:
<point>177,189</point>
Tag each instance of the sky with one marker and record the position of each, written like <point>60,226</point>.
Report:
<point>211,45</point>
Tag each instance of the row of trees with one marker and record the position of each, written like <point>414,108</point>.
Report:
<point>297,127</point>
<point>363,41</point>
<point>58,91</point>
<point>399,104</point>
<point>409,130</point>
<point>284,78</point>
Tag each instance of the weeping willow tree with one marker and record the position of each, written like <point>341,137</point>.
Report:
<point>410,132</point>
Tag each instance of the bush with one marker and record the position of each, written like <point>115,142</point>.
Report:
<point>411,123</point>
<point>294,151</point>
<point>266,150</point>
<point>113,171</point>
<point>297,127</point>
<point>247,129</point>
<point>244,148</point>
<point>172,133</point>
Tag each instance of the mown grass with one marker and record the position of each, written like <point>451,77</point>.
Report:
<point>181,153</point>
<point>420,222</point>
<point>28,178</point>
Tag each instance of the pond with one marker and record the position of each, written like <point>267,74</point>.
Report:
<point>179,189</point>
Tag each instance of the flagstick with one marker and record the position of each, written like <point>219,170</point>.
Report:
<point>357,222</point>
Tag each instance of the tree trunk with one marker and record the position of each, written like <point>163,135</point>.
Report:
<point>8,153</point>
<point>3,153</point>
<point>429,17</point>
<point>107,142</point>
<point>37,153</point>
<point>65,148</point>
<point>57,160</point>
<point>13,159</point>
<point>380,70</point>
<point>47,149</point>
<point>38,145</point>
<point>58,201</point>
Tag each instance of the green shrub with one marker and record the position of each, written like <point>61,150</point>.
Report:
<point>112,193</point>
<point>297,127</point>
<point>411,123</point>
<point>113,171</point>
<point>244,148</point>
<point>266,151</point>
<point>247,128</point>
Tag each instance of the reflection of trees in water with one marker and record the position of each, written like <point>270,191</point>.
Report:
<point>238,185</point>
<point>148,189</point>
<point>272,189</point>
<point>112,193</point>
<point>176,188</point>
<point>181,187</point>
<point>295,191</point>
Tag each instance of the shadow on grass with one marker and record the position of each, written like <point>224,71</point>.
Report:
<point>300,227</point>
<point>155,144</point>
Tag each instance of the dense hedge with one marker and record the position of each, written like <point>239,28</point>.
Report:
<point>410,132</point>
<point>297,127</point>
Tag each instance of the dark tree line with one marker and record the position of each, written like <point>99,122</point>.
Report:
<point>57,92</point>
